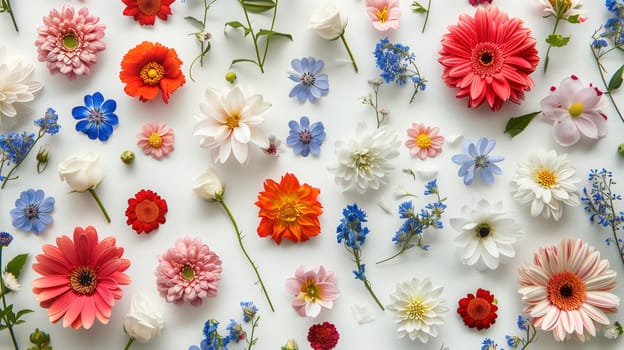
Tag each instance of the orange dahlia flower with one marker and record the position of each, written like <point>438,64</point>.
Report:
<point>150,67</point>
<point>145,11</point>
<point>289,210</point>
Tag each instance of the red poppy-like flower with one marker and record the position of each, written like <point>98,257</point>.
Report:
<point>145,11</point>
<point>478,311</point>
<point>323,336</point>
<point>488,58</point>
<point>150,67</point>
<point>289,210</point>
<point>81,278</point>
<point>146,211</point>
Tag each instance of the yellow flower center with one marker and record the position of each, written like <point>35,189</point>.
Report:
<point>151,73</point>
<point>576,109</point>
<point>564,4</point>
<point>155,140</point>
<point>83,280</point>
<point>288,212</point>
<point>70,41</point>
<point>382,15</point>
<point>232,121</point>
<point>423,141</point>
<point>546,178</point>
<point>311,290</point>
<point>416,310</point>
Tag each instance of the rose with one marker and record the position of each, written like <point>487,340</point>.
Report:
<point>208,185</point>
<point>81,171</point>
<point>328,22</point>
<point>142,322</point>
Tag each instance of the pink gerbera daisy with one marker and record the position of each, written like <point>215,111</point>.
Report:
<point>81,279</point>
<point>566,289</point>
<point>312,289</point>
<point>424,141</point>
<point>156,140</point>
<point>188,272</point>
<point>384,13</point>
<point>488,58</point>
<point>70,40</point>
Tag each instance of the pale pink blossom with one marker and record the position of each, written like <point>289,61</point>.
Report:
<point>312,289</point>
<point>384,13</point>
<point>156,140</point>
<point>424,141</point>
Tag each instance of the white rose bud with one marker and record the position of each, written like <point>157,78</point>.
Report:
<point>613,331</point>
<point>208,185</point>
<point>142,323</point>
<point>81,171</point>
<point>328,22</point>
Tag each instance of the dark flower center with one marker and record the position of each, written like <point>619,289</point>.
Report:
<point>305,136</point>
<point>487,59</point>
<point>307,79</point>
<point>96,116</point>
<point>566,291</point>
<point>482,161</point>
<point>483,229</point>
<point>83,280</point>
<point>149,7</point>
<point>272,150</point>
<point>31,211</point>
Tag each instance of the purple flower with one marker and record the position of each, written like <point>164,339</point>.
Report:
<point>305,138</point>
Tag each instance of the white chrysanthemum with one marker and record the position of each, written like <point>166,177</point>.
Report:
<point>545,182</point>
<point>10,281</point>
<point>417,308</point>
<point>364,162</point>
<point>16,84</point>
<point>486,235</point>
<point>573,7</point>
<point>229,121</point>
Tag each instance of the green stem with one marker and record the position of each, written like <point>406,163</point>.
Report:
<point>8,176</point>
<point>604,81</point>
<point>559,16</point>
<point>344,41</point>
<point>253,330</point>
<point>240,243</point>
<point>129,343</point>
<point>7,6</point>
<point>253,37</point>
<point>614,226</point>
<point>4,306</point>
<point>366,282</point>
<point>268,39</point>
<point>99,203</point>
<point>403,249</point>
<point>426,16</point>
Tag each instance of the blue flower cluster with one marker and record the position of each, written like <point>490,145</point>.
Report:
<point>398,65</point>
<point>489,344</point>
<point>613,28</point>
<point>525,325</point>
<point>351,232</point>
<point>215,341</point>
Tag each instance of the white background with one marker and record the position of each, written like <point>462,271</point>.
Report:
<point>189,215</point>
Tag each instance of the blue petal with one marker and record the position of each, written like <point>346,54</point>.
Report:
<point>314,91</point>
<point>461,159</point>
<point>98,99</point>
<point>495,159</point>
<point>296,64</point>
<point>295,77</point>
<point>47,205</point>
<point>495,169</point>
<point>88,100</point>
<point>300,92</point>
<point>321,81</point>
<point>82,126</point>
<point>306,64</point>
<point>38,196</point>
<point>317,66</point>
<point>109,106</point>
<point>469,177</point>
<point>315,147</point>
<point>105,131</point>
<point>37,226</point>
<point>292,139</point>
<point>80,112</point>
<point>294,126</point>
<point>472,151</point>
<point>305,149</point>
<point>305,123</point>
<point>486,176</point>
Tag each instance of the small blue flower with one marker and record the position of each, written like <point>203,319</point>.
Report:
<point>360,272</point>
<point>5,239</point>
<point>489,344</point>
<point>49,122</point>
<point>350,228</point>
<point>249,310</point>
<point>236,332</point>
<point>311,83</point>
<point>97,117</point>
<point>523,323</point>
<point>305,138</point>
<point>14,147</point>
<point>476,159</point>
<point>431,187</point>
<point>514,341</point>
<point>406,210</point>
<point>32,211</point>
<point>599,43</point>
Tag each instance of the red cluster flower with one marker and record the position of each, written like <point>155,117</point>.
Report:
<point>477,2</point>
<point>323,336</point>
<point>478,311</point>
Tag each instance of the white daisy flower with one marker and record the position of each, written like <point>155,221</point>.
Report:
<point>570,7</point>
<point>486,235</point>
<point>16,84</point>
<point>418,309</point>
<point>10,281</point>
<point>545,182</point>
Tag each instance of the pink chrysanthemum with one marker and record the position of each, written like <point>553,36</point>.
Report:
<point>312,289</point>
<point>81,279</point>
<point>488,58</point>
<point>156,140</point>
<point>70,40</point>
<point>188,272</point>
<point>424,141</point>
<point>385,14</point>
<point>566,289</point>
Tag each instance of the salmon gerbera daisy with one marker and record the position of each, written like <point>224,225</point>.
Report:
<point>478,311</point>
<point>145,11</point>
<point>149,68</point>
<point>289,210</point>
<point>146,211</point>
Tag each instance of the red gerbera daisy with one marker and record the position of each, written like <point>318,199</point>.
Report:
<point>145,11</point>
<point>146,210</point>
<point>323,336</point>
<point>478,311</point>
<point>488,58</point>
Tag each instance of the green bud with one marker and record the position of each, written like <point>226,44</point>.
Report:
<point>39,338</point>
<point>127,157</point>
<point>291,344</point>
<point>230,77</point>
<point>621,149</point>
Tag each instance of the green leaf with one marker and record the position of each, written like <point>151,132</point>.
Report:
<point>16,264</point>
<point>516,125</point>
<point>573,19</point>
<point>22,313</point>
<point>418,8</point>
<point>272,33</point>
<point>237,24</point>
<point>616,79</point>
<point>258,6</point>
<point>557,40</point>
<point>243,60</point>
<point>206,49</point>
<point>195,21</point>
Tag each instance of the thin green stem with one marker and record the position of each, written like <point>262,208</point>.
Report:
<point>561,8</point>
<point>614,226</point>
<point>268,39</point>
<point>367,284</point>
<point>403,249</point>
<point>7,7</point>
<point>376,89</point>
<point>344,41</point>
<point>240,243</point>
<point>253,37</point>
<point>426,16</point>
<point>253,330</point>
<point>99,203</point>
<point>129,343</point>
<point>4,306</point>
<point>604,81</point>
<point>8,176</point>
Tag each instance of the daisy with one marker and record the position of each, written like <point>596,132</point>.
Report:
<point>156,139</point>
<point>570,7</point>
<point>418,309</point>
<point>145,11</point>
<point>574,110</point>
<point>81,278</point>
<point>364,162</point>
<point>486,235</point>
<point>188,272</point>
<point>323,336</point>
<point>566,289</point>
<point>478,311</point>
<point>424,141</point>
<point>384,14</point>
<point>16,84</point>
<point>69,41</point>
<point>545,182</point>
<point>313,289</point>
<point>146,211</point>
<point>229,121</point>
<point>488,58</point>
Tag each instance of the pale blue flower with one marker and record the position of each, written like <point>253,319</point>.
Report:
<point>311,83</point>
<point>477,159</point>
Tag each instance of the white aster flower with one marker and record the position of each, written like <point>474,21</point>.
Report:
<point>229,121</point>
<point>16,84</point>
<point>417,308</point>
<point>545,182</point>
<point>571,8</point>
<point>486,235</point>
<point>10,281</point>
<point>364,162</point>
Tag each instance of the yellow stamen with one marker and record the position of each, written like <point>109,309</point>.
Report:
<point>155,140</point>
<point>416,309</point>
<point>546,178</point>
<point>423,141</point>
<point>232,121</point>
<point>151,73</point>
<point>576,109</point>
<point>383,14</point>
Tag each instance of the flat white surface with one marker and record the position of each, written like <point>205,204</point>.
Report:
<point>189,215</point>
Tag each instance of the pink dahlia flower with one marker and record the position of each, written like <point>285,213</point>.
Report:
<point>188,272</point>
<point>69,41</point>
<point>312,289</point>
<point>81,278</point>
<point>156,140</point>
<point>384,13</point>
<point>424,141</point>
<point>574,110</point>
<point>488,58</point>
<point>567,289</point>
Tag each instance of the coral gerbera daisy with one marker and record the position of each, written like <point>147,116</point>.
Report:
<point>424,141</point>
<point>150,67</point>
<point>288,210</point>
<point>146,211</point>
<point>313,289</point>
<point>145,11</point>
<point>156,139</point>
<point>567,289</point>
<point>70,40</point>
<point>323,336</point>
<point>478,311</point>
<point>81,278</point>
<point>488,58</point>
<point>188,272</point>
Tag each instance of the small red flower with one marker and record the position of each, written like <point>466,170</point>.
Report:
<point>146,211</point>
<point>145,11</point>
<point>478,311</point>
<point>323,336</point>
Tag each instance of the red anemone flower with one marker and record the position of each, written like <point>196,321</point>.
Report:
<point>478,311</point>
<point>145,11</point>
<point>146,211</point>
